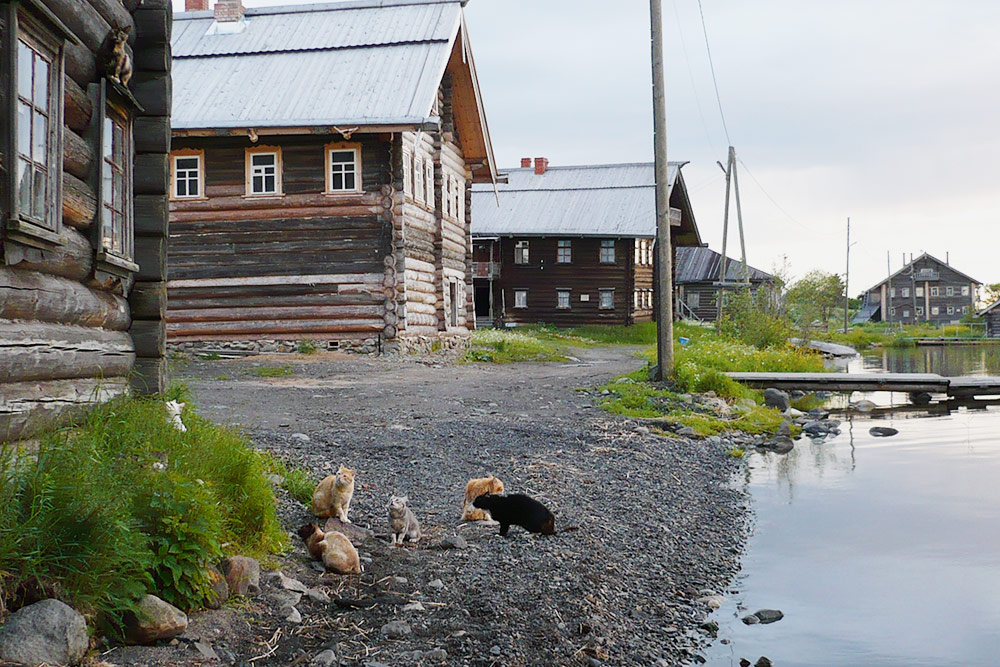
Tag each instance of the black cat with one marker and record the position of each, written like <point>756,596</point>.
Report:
<point>517,509</point>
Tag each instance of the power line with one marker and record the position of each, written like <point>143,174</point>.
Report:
<point>694,88</point>
<point>712,67</point>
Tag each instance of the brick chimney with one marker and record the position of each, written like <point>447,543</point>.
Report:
<point>228,10</point>
<point>541,164</point>
<point>196,5</point>
<point>526,163</point>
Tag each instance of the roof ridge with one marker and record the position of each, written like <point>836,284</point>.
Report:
<point>311,49</point>
<point>551,167</point>
<point>317,7</point>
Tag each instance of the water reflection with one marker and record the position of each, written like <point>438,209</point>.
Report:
<point>952,361</point>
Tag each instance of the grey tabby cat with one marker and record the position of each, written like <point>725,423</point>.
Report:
<point>403,522</point>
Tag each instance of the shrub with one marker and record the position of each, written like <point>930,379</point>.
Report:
<point>755,318</point>
<point>307,347</point>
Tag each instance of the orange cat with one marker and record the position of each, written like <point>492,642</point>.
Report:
<point>474,489</point>
<point>332,496</point>
<point>333,548</point>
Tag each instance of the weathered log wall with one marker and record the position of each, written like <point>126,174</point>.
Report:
<point>642,282</point>
<point>300,265</point>
<point>67,337</point>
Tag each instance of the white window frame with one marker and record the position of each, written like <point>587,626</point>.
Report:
<point>250,154</point>
<point>561,302</point>
<point>892,311</point>
<point>520,298</point>
<point>949,291</point>
<point>198,175</point>
<point>637,296</point>
<point>567,256</point>
<point>429,181</point>
<point>951,310</point>
<point>407,173</point>
<point>604,292</point>
<point>892,292</point>
<point>905,292</point>
<point>356,171</point>
<point>935,310</point>
<point>919,292</point>
<point>920,311</point>
<point>522,253</point>
<point>418,179</point>
<point>965,290</point>
<point>460,199</point>
<point>935,291</point>
<point>116,236</point>
<point>906,312</point>
<point>605,257</point>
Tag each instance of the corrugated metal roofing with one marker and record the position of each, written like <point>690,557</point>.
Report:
<point>593,200</point>
<point>696,265</point>
<point>352,63</point>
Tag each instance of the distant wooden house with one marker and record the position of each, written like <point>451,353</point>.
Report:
<point>700,287</point>
<point>572,245</point>
<point>924,290</point>
<point>82,206</point>
<point>991,318</point>
<point>321,170</point>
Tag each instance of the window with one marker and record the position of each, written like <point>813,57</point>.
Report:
<point>188,177</point>
<point>892,311</point>
<point>562,298</point>
<point>951,310</point>
<point>906,313</point>
<point>694,299</point>
<point>965,290</point>
<point>116,237</point>
<point>407,173</point>
<point>429,182</point>
<point>263,171</point>
<point>38,129</point>
<point>460,200</point>
<point>637,296</point>
<point>906,292</point>
<point>607,299</point>
<point>950,291</point>
<point>935,310</point>
<point>892,292</point>
<point>935,291</point>
<point>520,298</point>
<point>607,251</point>
<point>965,309</point>
<point>920,311</point>
<point>564,251</point>
<point>919,291</point>
<point>446,195</point>
<point>521,252</point>
<point>649,298</point>
<point>418,178</point>
<point>343,168</point>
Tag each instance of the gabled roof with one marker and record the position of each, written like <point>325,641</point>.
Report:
<point>369,64</point>
<point>616,200</point>
<point>993,306</point>
<point>922,256</point>
<point>696,265</point>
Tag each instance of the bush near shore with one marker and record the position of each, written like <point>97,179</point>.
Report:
<point>125,504</point>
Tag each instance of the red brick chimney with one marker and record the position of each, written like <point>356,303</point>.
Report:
<point>526,163</point>
<point>228,10</point>
<point>541,164</point>
<point>196,5</point>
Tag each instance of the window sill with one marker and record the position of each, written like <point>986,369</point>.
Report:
<point>342,193</point>
<point>265,195</point>
<point>115,264</point>
<point>33,234</point>
<point>201,198</point>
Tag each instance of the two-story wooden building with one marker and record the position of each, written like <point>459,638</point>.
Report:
<point>572,245</point>
<point>83,211</point>
<point>925,289</point>
<point>321,170</point>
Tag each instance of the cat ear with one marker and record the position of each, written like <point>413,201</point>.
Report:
<point>403,499</point>
<point>127,29</point>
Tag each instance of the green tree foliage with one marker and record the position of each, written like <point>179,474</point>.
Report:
<point>991,292</point>
<point>816,296</point>
<point>756,318</point>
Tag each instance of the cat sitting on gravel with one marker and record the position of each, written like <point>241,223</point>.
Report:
<point>332,496</point>
<point>333,548</point>
<point>518,509</point>
<point>403,524</point>
<point>475,488</point>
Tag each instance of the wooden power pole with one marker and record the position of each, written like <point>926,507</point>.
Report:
<point>664,250</point>
<point>847,275</point>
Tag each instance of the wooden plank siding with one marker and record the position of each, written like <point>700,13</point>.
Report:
<point>906,307</point>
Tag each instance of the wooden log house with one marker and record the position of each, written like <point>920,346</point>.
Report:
<point>572,245</point>
<point>991,318</point>
<point>925,289</point>
<point>83,208</point>
<point>700,286</point>
<point>322,163</point>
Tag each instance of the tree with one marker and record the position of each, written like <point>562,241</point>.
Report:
<point>991,293</point>
<point>816,296</point>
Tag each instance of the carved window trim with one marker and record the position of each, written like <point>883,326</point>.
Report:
<point>520,297</point>
<point>185,153</point>
<point>330,151</point>
<point>250,176</point>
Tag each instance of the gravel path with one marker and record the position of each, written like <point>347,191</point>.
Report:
<point>661,525</point>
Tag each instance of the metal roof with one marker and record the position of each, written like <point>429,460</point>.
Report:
<point>591,200</point>
<point>696,265</point>
<point>351,63</point>
<point>907,265</point>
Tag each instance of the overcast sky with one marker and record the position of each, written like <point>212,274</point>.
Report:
<point>882,111</point>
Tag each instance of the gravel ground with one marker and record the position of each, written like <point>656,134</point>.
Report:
<point>660,522</point>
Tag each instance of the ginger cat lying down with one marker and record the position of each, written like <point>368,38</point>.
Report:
<point>332,496</point>
<point>333,548</point>
<point>475,488</point>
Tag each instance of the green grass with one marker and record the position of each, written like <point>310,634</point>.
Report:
<point>501,346</point>
<point>126,504</point>
<point>874,334</point>
<point>307,347</point>
<point>297,481</point>
<point>273,371</point>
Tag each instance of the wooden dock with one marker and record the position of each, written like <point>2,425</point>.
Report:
<point>911,383</point>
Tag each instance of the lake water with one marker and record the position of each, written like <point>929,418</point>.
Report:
<point>880,551</point>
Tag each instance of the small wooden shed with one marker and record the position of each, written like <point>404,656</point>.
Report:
<point>83,208</point>
<point>699,282</point>
<point>991,317</point>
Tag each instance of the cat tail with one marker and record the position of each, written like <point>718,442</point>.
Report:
<point>568,529</point>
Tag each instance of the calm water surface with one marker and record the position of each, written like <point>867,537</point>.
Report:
<point>880,551</point>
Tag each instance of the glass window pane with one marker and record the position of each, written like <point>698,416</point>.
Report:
<point>41,83</point>
<point>106,173</point>
<point>106,227</point>
<point>39,189</point>
<point>258,184</point>
<point>187,163</point>
<point>24,186</point>
<point>262,160</point>
<point>343,156</point>
<point>181,187</point>
<point>349,181</point>
<point>24,59</point>
<point>337,182</point>
<point>269,183</point>
<point>119,144</point>
<point>39,136</point>
<point>193,186</point>
<point>118,232</point>
<point>108,138</point>
<point>24,129</point>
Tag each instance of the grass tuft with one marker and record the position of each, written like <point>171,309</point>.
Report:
<point>273,371</point>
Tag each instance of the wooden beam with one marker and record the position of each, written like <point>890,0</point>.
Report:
<point>81,65</point>
<point>73,258</point>
<point>79,202</point>
<point>28,408</point>
<point>148,300</point>
<point>78,156</point>
<point>152,134</point>
<point>153,28</point>
<point>77,106</point>
<point>26,295</point>
<point>149,375</point>
<point>149,338</point>
<point>115,14</point>
<point>153,90</point>
<point>41,351</point>
<point>151,215</point>
<point>151,256</point>
<point>150,174</point>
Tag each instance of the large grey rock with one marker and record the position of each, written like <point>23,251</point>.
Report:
<point>324,658</point>
<point>453,542</point>
<point>882,431</point>
<point>47,632</point>
<point>220,589</point>
<point>780,444</point>
<point>396,629</point>
<point>775,398</point>
<point>153,620</point>
<point>242,574</point>
<point>763,616</point>
<point>355,533</point>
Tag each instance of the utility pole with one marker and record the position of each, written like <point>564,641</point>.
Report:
<point>664,250</point>
<point>847,275</point>
<point>888,290</point>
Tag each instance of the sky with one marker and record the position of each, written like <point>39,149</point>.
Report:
<point>885,112</point>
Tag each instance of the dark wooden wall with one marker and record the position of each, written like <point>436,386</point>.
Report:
<point>299,266</point>
<point>948,277</point>
<point>70,336</point>
<point>992,320</point>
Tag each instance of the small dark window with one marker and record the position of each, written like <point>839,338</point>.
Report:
<point>564,251</point>
<point>521,252</point>
<point>608,251</point>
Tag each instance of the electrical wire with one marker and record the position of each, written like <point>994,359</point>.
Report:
<point>694,88</point>
<point>712,67</point>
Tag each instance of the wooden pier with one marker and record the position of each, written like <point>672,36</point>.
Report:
<point>911,383</point>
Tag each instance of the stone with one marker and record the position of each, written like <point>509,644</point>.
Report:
<point>290,584</point>
<point>785,428</point>
<point>293,615</point>
<point>793,413</point>
<point>220,589</point>
<point>686,431</point>
<point>437,584</point>
<point>284,600</point>
<point>642,430</point>
<point>453,542</point>
<point>882,431</point>
<point>153,620</point>
<point>750,619</point>
<point>775,398</point>
<point>324,658</point>
<point>713,601</point>
<point>437,654</point>
<point>48,632</point>
<point>396,629</point>
<point>495,650</point>
<point>780,444</point>
<point>413,606</point>
<point>768,615</point>
<point>399,580</point>
<point>242,574</point>
<point>317,595</point>
<point>206,650</point>
<point>355,533</point>
<point>816,428</point>
<point>745,663</point>
<point>920,398</point>
<point>301,437</point>
<point>862,406</point>
<point>763,661</point>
